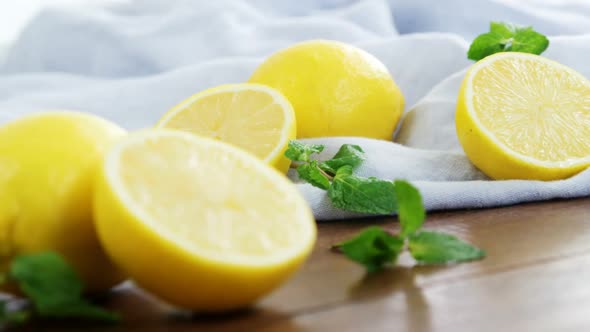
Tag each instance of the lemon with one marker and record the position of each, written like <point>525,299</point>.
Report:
<point>336,89</point>
<point>47,168</point>
<point>198,222</point>
<point>522,116</point>
<point>253,117</point>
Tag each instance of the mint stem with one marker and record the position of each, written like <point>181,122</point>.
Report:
<point>330,177</point>
<point>296,164</point>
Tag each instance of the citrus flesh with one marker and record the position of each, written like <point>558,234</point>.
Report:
<point>200,223</point>
<point>522,116</point>
<point>336,89</point>
<point>48,163</point>
<point>254,117</point>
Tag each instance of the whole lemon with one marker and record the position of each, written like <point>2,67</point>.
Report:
<point>336,89</point>
<point>48,163</point>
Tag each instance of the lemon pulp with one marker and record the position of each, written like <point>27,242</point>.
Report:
<point>524,116</point>
<point>253,117</point>
<point>198,222</point>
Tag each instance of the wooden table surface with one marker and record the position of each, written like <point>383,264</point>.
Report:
<point>536,278</point>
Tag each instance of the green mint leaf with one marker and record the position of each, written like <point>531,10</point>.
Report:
<point>506,30</point>
<point>440,248</point>
<point>366,195</point>
<point>504,37</point>
<point>344,171</point>
<point>47,279</point>
<point>529,41</point>
<point>312,173</point>
<point>410,209</point>
<point>84,310</point>
<point>347,155</point>
<point>297,151</point>
<point>54,287</point>
<point>484,45</point>
<point>373,248</point>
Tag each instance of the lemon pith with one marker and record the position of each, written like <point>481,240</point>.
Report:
<point>199,223</point>
<point>522,116</point>
<point>254,117</point>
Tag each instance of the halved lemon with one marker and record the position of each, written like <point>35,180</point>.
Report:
<point>522,116</point>
<point>254,117</point>
<point>197,222</point>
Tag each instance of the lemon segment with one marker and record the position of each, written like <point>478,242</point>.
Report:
<point>253,117</point>
<point>48,163</point>
<point>522,116</point>
<point>336,89</point>
<point>200,223</point>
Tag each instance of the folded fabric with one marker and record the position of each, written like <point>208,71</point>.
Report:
<point>132,62</point>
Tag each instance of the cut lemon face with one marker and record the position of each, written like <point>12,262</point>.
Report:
<point>522,116</point>
<point>199,223</point>
<point>254,117</point>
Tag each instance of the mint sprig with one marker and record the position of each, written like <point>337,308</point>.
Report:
<point>506,37</point>
<point>374,247</point>
<point>54,289</point>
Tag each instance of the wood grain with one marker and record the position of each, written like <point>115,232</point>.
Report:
<point>535,278</point>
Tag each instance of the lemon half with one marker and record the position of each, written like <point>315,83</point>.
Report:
<point>254,117</point>
<point>522,116</point>
<point>200,223</point>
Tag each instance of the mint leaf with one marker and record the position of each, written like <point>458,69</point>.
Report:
<point>47,279</point>
<point>347,155</point>
<point>84,310</point>
<point>312,173</point>
<point>484,45</point>
<point>297,151</point>
<point>410,209</point>
<point>505,37</point>
<point>439,248</point>
<point>506,30</point>
<point>373,248</point>
<point>54,287</point>
<point>529,41</point>
<point>344,171</point>
<point>366,195</point>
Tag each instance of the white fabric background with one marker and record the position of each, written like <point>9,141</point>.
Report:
<point>130,62</point>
